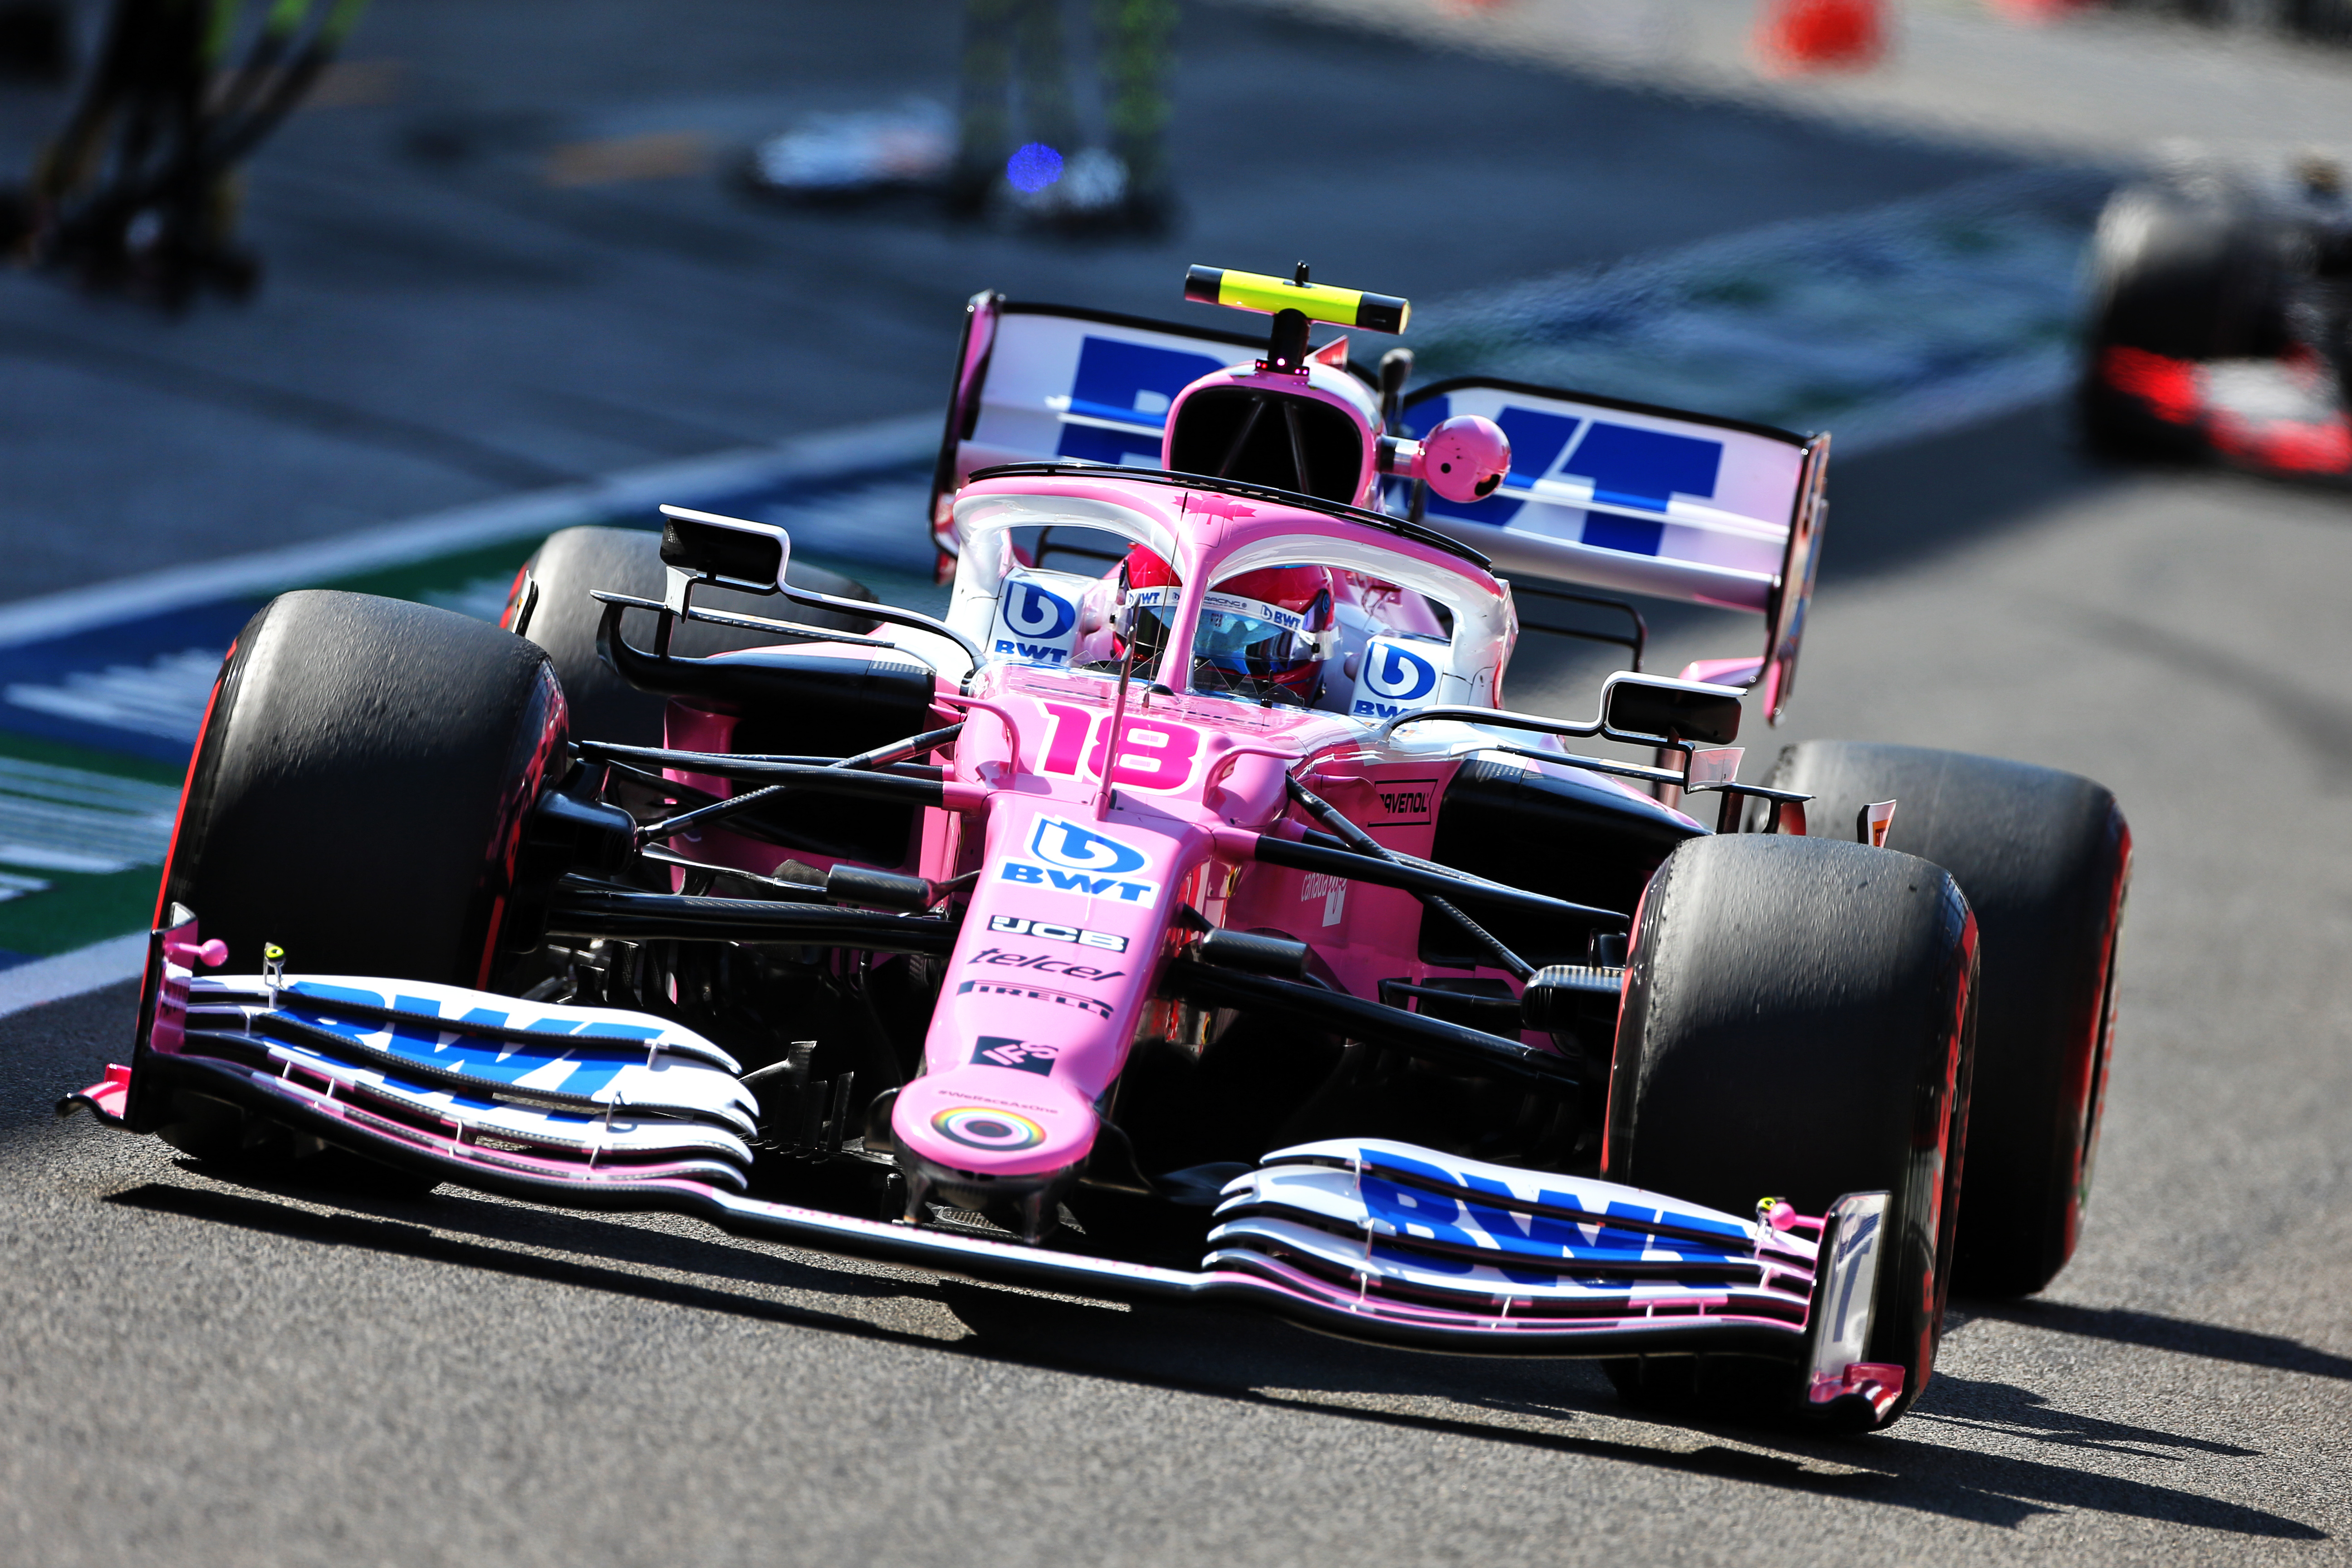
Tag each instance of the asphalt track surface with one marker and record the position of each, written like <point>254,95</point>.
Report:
<point>199,1368</point>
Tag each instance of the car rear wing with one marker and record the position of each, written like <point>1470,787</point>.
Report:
<point>1602,492</point>
<point>1640,500</point>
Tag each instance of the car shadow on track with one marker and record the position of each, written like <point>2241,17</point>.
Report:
<point>1269,1363</point>
<point>473,1233</point>
<point>2154,1331</point>
<point>1258,1362</point>
<point>1983,1406</point>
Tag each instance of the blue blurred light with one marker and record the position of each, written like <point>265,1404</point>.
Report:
<point>1034,167</point>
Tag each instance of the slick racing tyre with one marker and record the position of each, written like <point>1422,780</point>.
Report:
<point>1797,1024</point>
<point>550,605</point>
<point>2044,858</point>
<point>359,789</point>
<point>358,793</point>
<point>2174,284</point>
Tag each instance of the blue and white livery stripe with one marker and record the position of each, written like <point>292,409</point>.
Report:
<point>610,1060</point>
<point>1436,1273</point>
<point>459,1006</point>
<point>1448,1220</point>
<point>719,1155</point>
<point>1573,1198</point>
<point>1413,1223</point>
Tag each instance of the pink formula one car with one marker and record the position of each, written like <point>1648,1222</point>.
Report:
<point>1201,925</point>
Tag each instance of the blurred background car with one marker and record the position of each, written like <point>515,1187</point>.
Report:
<point>2220,301</point>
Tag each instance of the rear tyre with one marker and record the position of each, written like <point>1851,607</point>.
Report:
<point>2182,281</point>
<point>1797,1024</point>
<point>2045,860</point>
<point>358,795</point>
<point>550,605</point>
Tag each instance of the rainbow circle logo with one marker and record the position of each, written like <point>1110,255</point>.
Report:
<point>979,1127</point>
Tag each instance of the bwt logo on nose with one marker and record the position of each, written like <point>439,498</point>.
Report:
<point>1071,859</point>
<point>1033,612</point>
<point>1082,848</point>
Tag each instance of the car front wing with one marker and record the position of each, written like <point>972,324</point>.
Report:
<point>1367,1238</point>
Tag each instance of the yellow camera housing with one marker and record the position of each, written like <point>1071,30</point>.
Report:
<point>1316,302</point>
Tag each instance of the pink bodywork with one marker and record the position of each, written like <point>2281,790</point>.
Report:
<point>1079,888</point>
<point>1465,457</point>
<point>1078,901</point>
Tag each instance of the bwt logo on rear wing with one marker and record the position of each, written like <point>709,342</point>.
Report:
<point>1638,499</point>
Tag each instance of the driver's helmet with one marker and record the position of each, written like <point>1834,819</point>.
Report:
<point>1263,633</point>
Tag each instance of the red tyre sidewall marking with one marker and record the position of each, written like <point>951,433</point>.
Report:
<point>1951,1147</point>
<point>514,812</point>
<point>187,787</point>
<point>2087,1098</point>
<point>514,597</point>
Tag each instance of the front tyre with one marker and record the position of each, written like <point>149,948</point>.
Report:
<point>359,792</point>
<point>1798,1024</point>
<point>358,795</point>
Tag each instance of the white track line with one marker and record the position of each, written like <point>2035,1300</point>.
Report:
<point>885,444</point>
<point>46,980</point>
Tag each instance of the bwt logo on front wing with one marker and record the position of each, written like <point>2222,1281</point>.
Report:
<point>1074,860</point>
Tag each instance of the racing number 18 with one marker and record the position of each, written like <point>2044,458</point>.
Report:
<point>1150,755</point>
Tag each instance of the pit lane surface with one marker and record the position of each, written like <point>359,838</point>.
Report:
<point>201,1369</point>
<point>207,1370</point>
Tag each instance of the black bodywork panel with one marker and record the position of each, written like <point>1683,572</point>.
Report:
<point>1589,843</point>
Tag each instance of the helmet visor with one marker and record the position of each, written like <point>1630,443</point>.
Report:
<point>1247,642</point>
